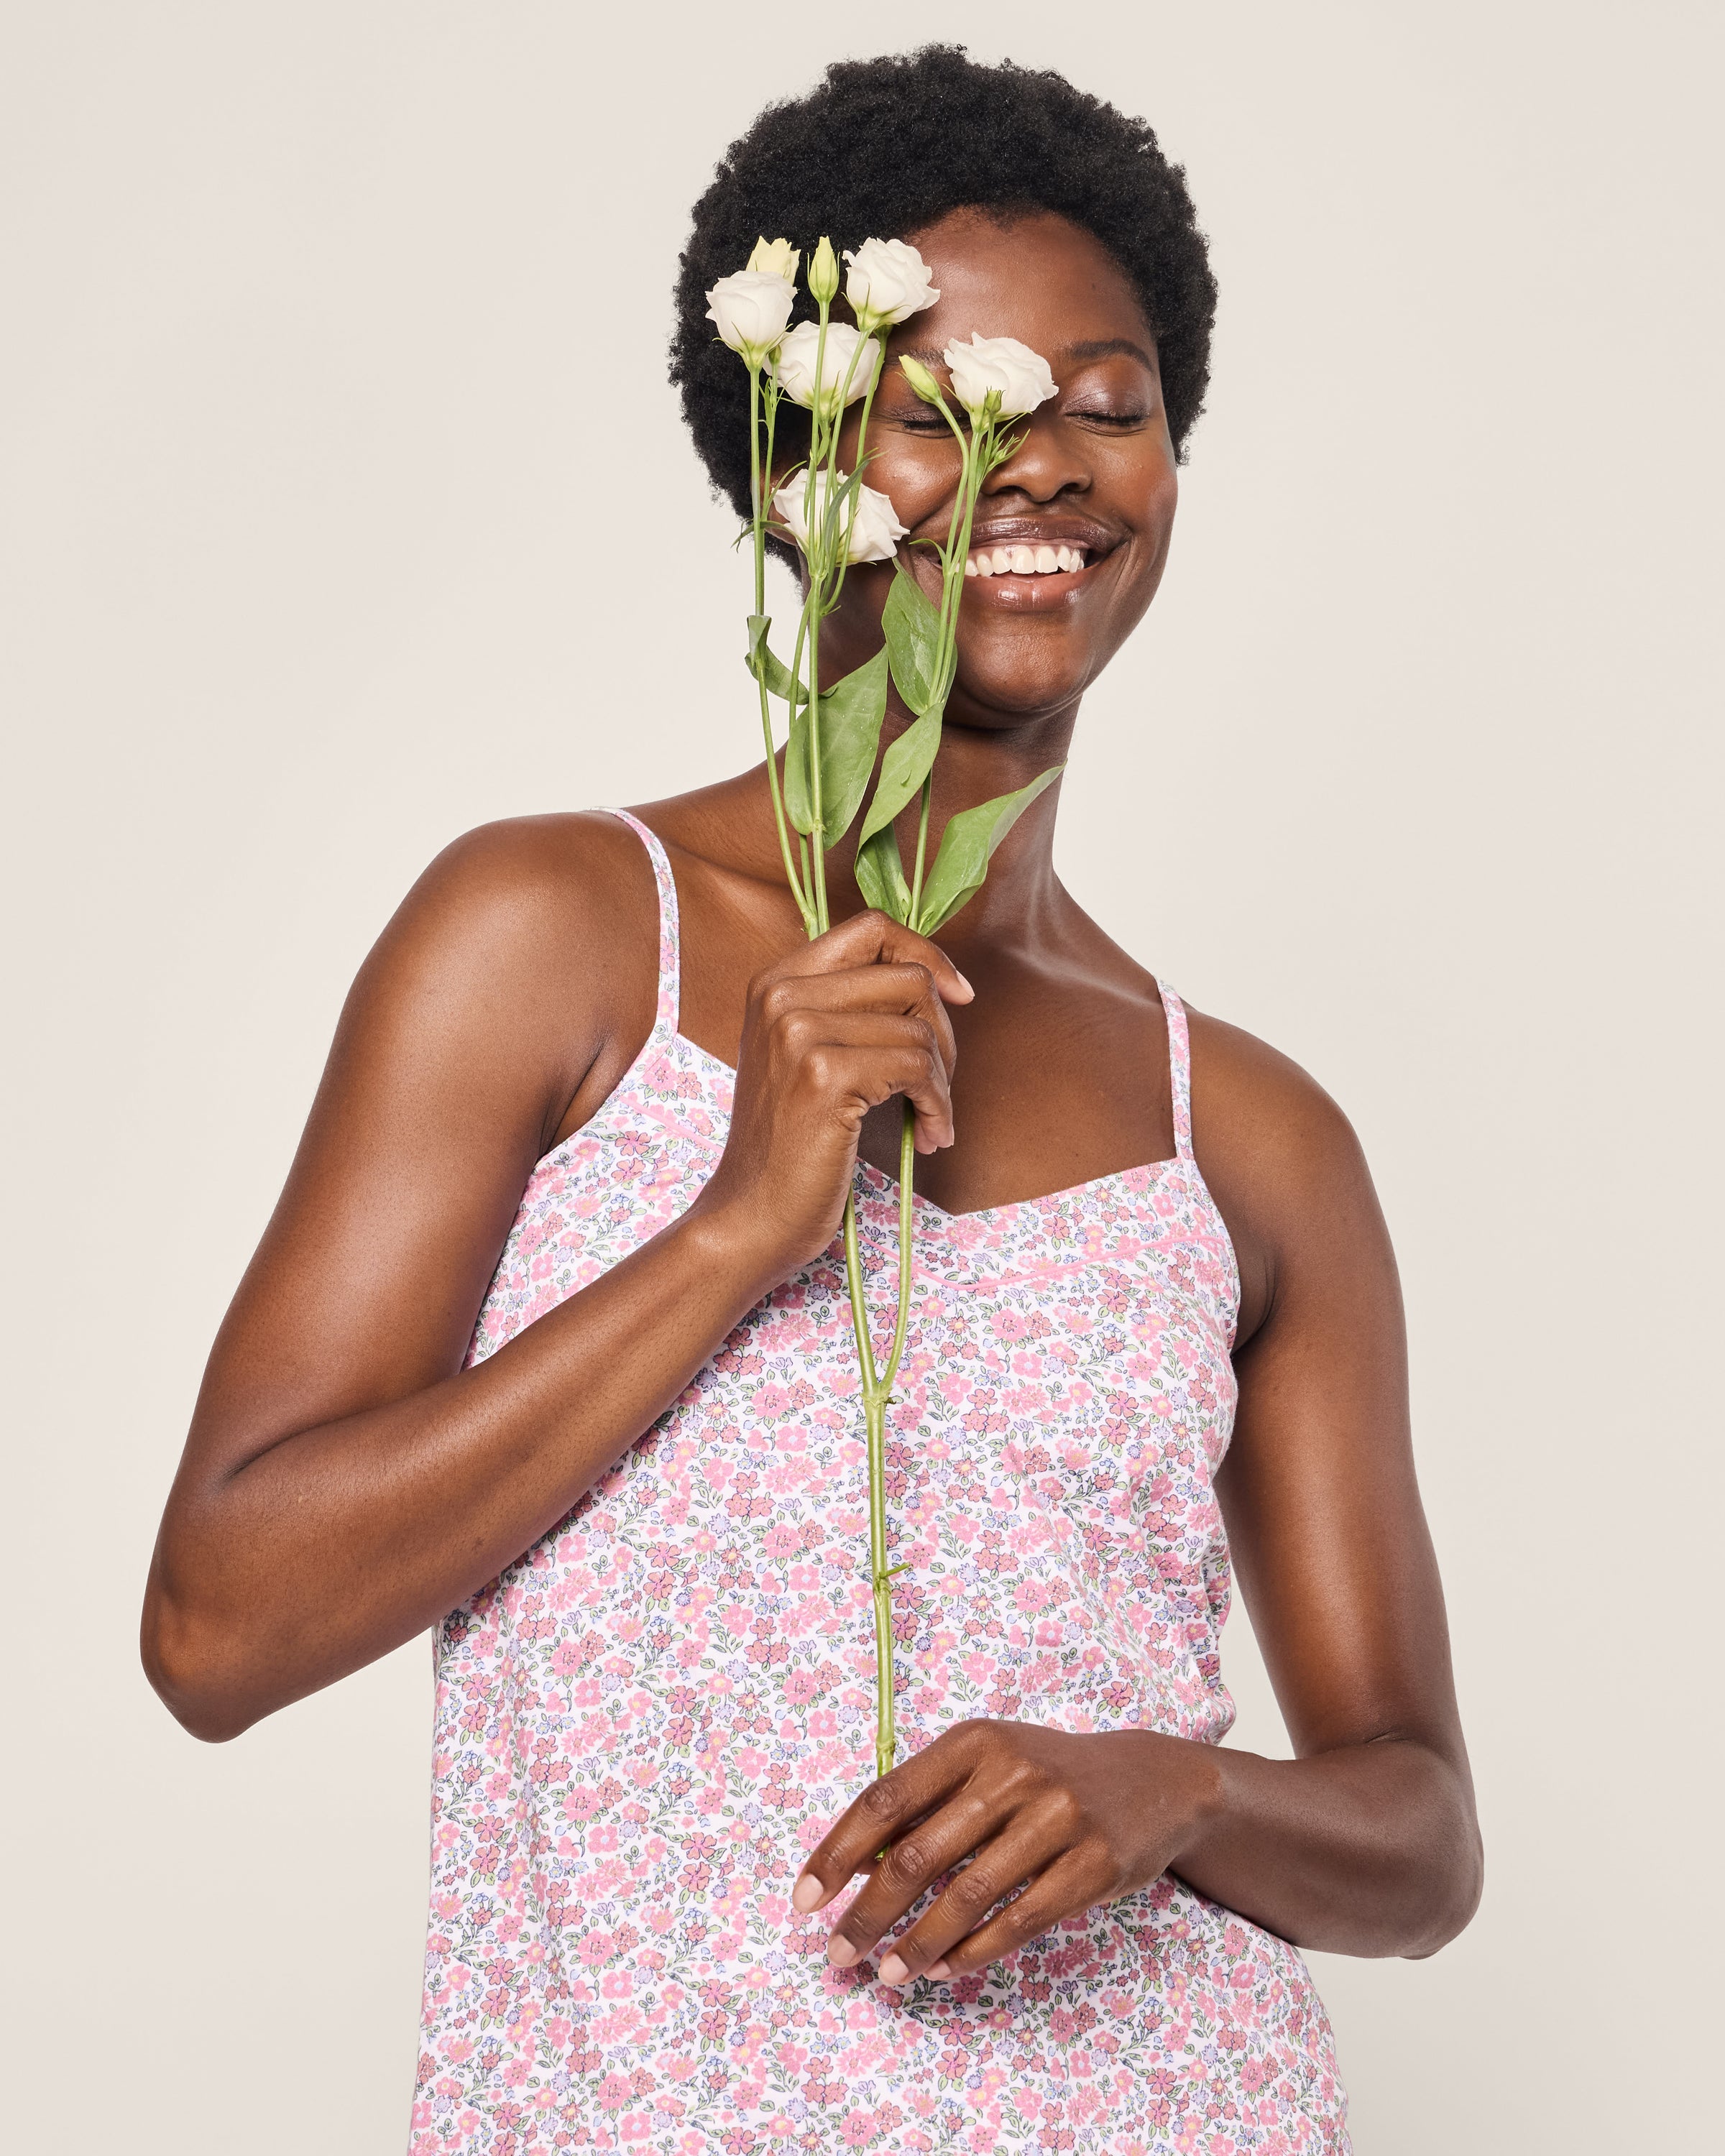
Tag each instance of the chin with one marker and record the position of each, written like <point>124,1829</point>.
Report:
<point>992,702</point>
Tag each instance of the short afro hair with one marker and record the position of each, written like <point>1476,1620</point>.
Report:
<point>889,146</point>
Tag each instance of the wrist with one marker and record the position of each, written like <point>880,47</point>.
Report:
<point>733,1243</point>
<point>1190,1784</point>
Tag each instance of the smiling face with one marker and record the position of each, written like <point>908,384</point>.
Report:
<point>1071,536</point>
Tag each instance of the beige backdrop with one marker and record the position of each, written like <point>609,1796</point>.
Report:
<point>342,494</point>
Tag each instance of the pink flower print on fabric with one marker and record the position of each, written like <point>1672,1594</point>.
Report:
<point>648,1720</point>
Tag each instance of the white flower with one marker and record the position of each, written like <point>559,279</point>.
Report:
<point>796,365</point>
<point>1001,365</point>
<point>774,258</point>
<point>889,282</point>
<point>751,309</point>
<point>875,534</point>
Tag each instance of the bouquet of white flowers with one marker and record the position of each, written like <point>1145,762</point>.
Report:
<point>833,729</point>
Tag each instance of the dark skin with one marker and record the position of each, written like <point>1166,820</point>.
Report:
<point>346,1482</point>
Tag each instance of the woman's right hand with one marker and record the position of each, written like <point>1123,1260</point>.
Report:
<point>833,1030</point>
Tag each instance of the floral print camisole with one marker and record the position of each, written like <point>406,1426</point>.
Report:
<point>648,1721</point>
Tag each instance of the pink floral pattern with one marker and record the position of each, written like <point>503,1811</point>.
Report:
<point>645,1723</point>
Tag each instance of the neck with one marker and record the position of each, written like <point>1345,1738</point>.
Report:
<point>975,764</point>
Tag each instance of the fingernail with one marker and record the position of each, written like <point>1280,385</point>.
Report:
<point>892,1970</point>
<point>940,1969</point>
<point>807,1894</point>
<point>840,1952</point>
<point>962,982</point>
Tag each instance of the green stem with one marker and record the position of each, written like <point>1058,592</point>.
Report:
<point>921,846</point>
<point>885,1733</point>
<point>757,513</point>
<point>818,846</point>
<point>862,436</point>
<point>858,1306</point>
<point>906,1223</point>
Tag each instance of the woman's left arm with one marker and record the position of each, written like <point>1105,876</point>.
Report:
<point>1366,1841</point>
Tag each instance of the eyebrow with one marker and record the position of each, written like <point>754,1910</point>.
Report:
<point>1112,348</point>
<point>1095,348</point>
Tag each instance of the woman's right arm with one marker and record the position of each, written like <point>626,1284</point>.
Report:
<point>346,1482</point>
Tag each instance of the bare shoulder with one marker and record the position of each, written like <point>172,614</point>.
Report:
<point>527,944</point>
<point>1282,1161</point>
<point>527,885</point>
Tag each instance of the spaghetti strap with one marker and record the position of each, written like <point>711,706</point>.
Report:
<point>671,963</point>
<point>1179,1065</point>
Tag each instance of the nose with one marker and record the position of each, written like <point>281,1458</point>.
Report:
<point>1051,459</point>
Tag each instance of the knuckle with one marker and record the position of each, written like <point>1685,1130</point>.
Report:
<point>776,1001</point>
<point>973,1892</point>
<point>879,1801</point>
<point>1020,1922</point>
<point>790,1026</point>
<point>969,1739</point>
<point>905,1864</point>
<point>1066,1811</point>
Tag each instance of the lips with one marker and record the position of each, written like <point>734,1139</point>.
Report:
<point>1029,548</point>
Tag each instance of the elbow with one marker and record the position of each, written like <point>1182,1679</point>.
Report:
<point>1453,1881</point>
<point>193,1669</point>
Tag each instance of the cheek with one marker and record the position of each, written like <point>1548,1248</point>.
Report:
<point>917,478</point>
<point>1151,486</point>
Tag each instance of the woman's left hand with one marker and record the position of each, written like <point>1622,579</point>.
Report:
<point>1058,1821</point>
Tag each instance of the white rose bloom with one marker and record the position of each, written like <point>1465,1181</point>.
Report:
<point>1002,364</point>
<point>796,365</point>
<point>751,309</point>
<point>873,534</point>
<point>889,282</point>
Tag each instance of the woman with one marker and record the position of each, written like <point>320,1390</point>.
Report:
<point>549,1331</point>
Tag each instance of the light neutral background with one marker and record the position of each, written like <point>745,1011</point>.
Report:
<point>343,500</point>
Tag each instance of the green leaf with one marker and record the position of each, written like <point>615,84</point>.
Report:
<point>913,638</point>
<point>967,844</point>
<point>798,806</point>
<point>903,769</point>
<point>880,875</point>
<point>850,713</point>
<point>758,656</point>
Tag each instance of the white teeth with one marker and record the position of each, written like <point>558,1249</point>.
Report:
<point>1024,562</point>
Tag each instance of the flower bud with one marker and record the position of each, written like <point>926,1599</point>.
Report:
<point>823,273</point>
<point>774,258</point>
<point>921,380</point>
